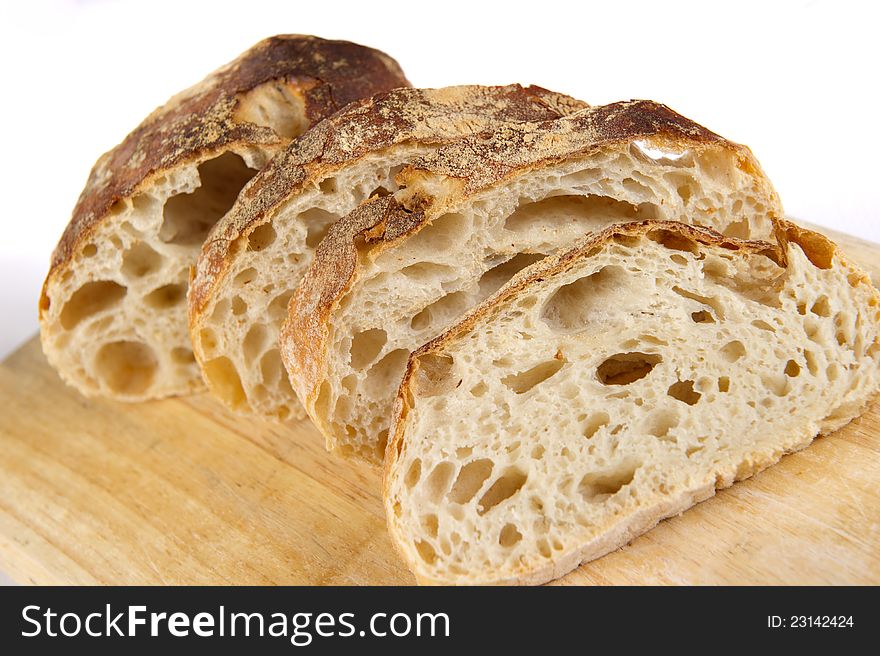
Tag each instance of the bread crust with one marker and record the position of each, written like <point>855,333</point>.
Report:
<point>368,126</point>
<point>200,122</point>
<point>466,166</point>
<point>819,250</point>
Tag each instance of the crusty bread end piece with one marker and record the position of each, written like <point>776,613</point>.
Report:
<point>113,307</point>
<point>615,385</point>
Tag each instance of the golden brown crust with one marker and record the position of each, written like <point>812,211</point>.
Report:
<point>429,116</point>
<point>200,121</point>
<point>480,162</point>
<point>468,165</point>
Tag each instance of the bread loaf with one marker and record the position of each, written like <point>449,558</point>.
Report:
<point>395,272</point>
<point>113,307</point>
<point>617,384</point>
<point>256,255</point>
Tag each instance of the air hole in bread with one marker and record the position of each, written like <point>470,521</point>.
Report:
<point>381,440</point>
<point>660,422</point>
<point>189,217</point>
<point>275,105</point>
<point>594,423</point>
<point>165,297</point>
<point>89,250</point>
<point>479,389</point>
<point>90,299</point>
<point>441,311</point>
<point>685,192</point>
<point>182,355</point>
<point>366,346</point>
<point>434,375</point>
<point>523,381</point>
<point>544,548</point>
<point>430,525</point>
<point>389,370</point>
<point>239,306</point>
<point>270,366</point>
<point>812,363</point>
<point>438,236</point>
<point>738,229</point>
<point>497,276</point>
<point>126,367</point>
<point>470,479</point>
<point>317,223</point>
<point>679,259</point>
<point>221,309</point>
<point>821,307</point>
<point>792,369</point>
<point>709,301</point>
<point>261,237</point>
<point>118,207</point>
<point>776,383</point>
<point>428,272</point>
<point>207,339</point>
<point>223,380</point>
<point>426,552</point>
<point>733,351</point>
<point>724,384</point>
<point>702,316</point>
<point>507,485</point>
<point>570,308</point>
<point>596,487</point>
<point>245,277</point>
<point>674,241</point>
<point>278,306</point>
<point>626,368</point>
<point>509,536</point>
<point>763,325</point>
<point>413,474</point>
<point>327,186</point>
<point>636,188</point>
<point>255,341</point>
<point>585,212</point>
<point>683,390</point>
<point>832,371</point>
<point>140,260</point>
<point>438,481</point>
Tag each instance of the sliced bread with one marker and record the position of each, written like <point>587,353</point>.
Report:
<point>257,254</point>
<point>395,272</point>
<point>113,307</point>
<point>617,384</point>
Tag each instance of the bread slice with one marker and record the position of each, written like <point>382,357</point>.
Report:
<point>256,255</point>
<point>617,384</point>
<point>113,307</point>
<point>394,273</point>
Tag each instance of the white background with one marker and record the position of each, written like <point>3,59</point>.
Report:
<point>794,80</point>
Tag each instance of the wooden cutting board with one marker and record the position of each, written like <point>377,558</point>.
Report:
<point>180,491</point>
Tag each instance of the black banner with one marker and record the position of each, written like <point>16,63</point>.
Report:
<point>329,620</point>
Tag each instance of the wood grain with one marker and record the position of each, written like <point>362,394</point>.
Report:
<point>180,491</point>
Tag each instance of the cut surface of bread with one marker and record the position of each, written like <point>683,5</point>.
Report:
<point>398,270</point>
<point>255,257</point>
<point>617,384</point>
<point>113,307</point>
